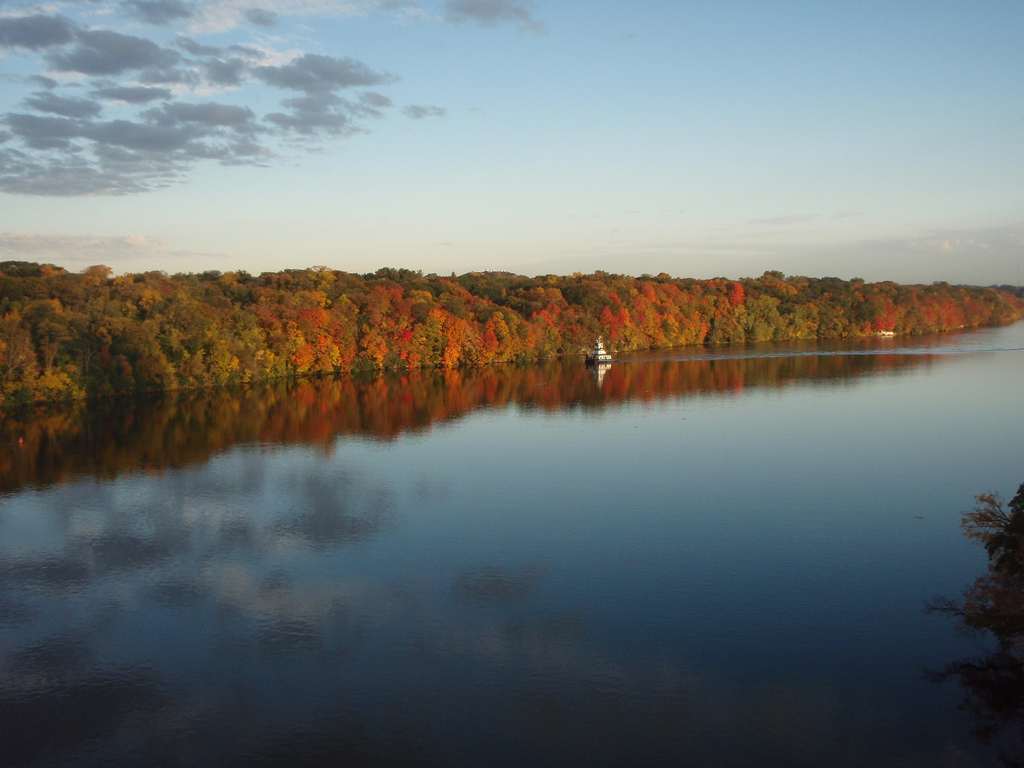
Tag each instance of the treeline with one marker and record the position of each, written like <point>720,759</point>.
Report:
<point>64,336</point>
<point>177,429</point>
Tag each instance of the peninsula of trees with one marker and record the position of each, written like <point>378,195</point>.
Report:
<point>67,336</point>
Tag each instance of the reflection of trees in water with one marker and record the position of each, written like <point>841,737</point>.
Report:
<point>112,437</point>
<point>994,603</point>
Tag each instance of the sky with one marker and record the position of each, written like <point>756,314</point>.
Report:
<point>882,140</point>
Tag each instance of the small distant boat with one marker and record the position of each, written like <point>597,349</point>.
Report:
<point>598,355</point>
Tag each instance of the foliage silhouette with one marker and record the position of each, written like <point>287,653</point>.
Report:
<point>994,683</point>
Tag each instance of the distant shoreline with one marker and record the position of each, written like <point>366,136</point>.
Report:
<point>67,336</point>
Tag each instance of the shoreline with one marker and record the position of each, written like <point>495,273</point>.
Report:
<point>89,399</point>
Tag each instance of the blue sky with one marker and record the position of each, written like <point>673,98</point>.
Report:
<point>883,140</point>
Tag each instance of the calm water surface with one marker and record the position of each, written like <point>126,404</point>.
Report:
<point>703,558</point>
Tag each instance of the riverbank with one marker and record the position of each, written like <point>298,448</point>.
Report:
<point>70,336</point>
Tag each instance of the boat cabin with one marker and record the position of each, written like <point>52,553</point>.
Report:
<point>598,354</point>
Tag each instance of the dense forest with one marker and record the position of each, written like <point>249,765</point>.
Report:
<point>65,336</point>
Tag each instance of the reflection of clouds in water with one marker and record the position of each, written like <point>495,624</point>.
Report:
<point>494,583</point>
<point>280,598</point>
<point>115,551</point>
<point>54,572</point>
<point>83,559</point>
<point>143,523</point>
<point>540,643</point>
<point>246,571</point>
<point>91,708</point>
<point>79,714</point>
<point>45,663</point>
<point>330,510</point>
<point>14,612</point>
<point>166,542</point>
<point>432,489</point>
<point>289,636</point>
<point>234,534</point>
<point>63,700</point>
<point>176,593</point>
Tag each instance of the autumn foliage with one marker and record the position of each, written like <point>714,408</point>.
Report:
<point>64,336</point>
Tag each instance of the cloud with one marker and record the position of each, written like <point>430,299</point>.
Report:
<point>81,248</point>
<point>43,132</point>
<point>102,52</point>
<point>320,111</point>
<point>111,172</point>
<point>170,76</point>
<point>977,255</point>
<point>225,71</point>
<point>46,101</point>
<point>261,17</point>
<point>144,137</point>
<point>323,114</point>
<point>159,12</point>
<point>138,94</point>
<point>421,111</point>
<point>253,53</point>
<point>782,221</point>
<point>35,32</point>
<point>241,119</point>
<point>314,73</point>
<point>59,145</point>
<point>133,252</point>
<point>375,100</point>
<point>189,45</point>
<point>310,117</point>
<point>43,82</point>
<point>491,13</point>
<point>216,16</point>
<point>123,156</point>
<point>213,52</point>
<point>1008,238</point>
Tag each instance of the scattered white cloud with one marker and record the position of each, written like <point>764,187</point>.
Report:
<point>491,13</point>
<point>423,111</point>
<point>785,220</point>
<point>222,15</point>
<point>77,251</point>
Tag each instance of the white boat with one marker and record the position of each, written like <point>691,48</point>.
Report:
<point>598,355</point>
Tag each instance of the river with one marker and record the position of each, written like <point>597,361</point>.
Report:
<point>706,557</point>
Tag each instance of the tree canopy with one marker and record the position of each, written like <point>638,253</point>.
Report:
<point>64,335</point>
